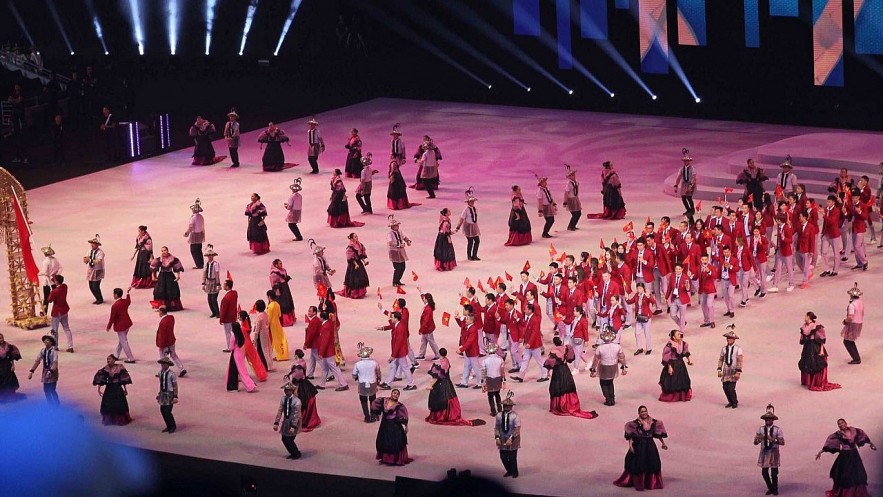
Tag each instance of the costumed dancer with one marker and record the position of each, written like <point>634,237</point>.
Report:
<point>367,373</point>
<point>643,469</point>
<point>729,366</point>
<point>685,186</point>
<point>392,436</point>
<point>321,269</point>
<point>674,378</point>
<point>397,145</point>
<point>121,322</point>
<point>493,376</point>
<point>49,267</point>
<point>769,437</point>
<point>611,192</point>
<point>397,191</point>
<point>563,398</point>
<point>277,334</point>
<point>546,207</point>
<point>752,177</point>
<point>294,206</point>
<point>48,357</point>
<point>852,324</point>
<point>95,268</point>
<point>427,163</point>
<point>306,392</point>
<point>274,158</point>
<point>237,370</point>
<point>519,221</point>
<point>211,281</point>
<point>608,356</point>
<point>315,145</point>
<point>196,234</point>
<point>202,132</point>
<point>444,406</point>
<point>443,253</point>
<point>338,207</point>
<point>60,310</point>
<point>396,243</point>
<point>8,380</point>
<point>290,414</point>
<point>251,352</point>
<point>355,281</point>
<point>231,136</point>
<point>165,339</point>
<point>366,183</point>
<point>848,471</point>
<point>354,154</point>
<point>507,435</point>
<point>256,234</point>
<point>143,257</point>
<point>167,271</point>
<point>168,394</point>
<point>260,326</point>
<point>114,406</point>
<point>469,223</point>
<point>813,362</point>
<point>571,199</point>
<point>279,279</point>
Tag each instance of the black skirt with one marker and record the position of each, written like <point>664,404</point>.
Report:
<point>113,402</point>
<point>678,381</point>
<point>256,232</point>
<point>519,222</point>
<point>356,275</point>
<point>810,360</point>
<point>562,380</point>
<point>166,287</point>
<point>397,188</point>
<point>305,390</point>
<point>613,198</point>
<point>391,437</point>
<point>203,148</point>
<point>286,301</point>
<point>273,155</point>
<point>338,205</point>
<point>142,264</point>
<point>444,249</point>
<point>442,392</point>
<point>645,458</point>
<point>8,379</point>
<point>848,470</point>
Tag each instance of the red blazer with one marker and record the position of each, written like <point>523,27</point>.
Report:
<point>165,333</point>
<point>58,299</point>
<point>604,298</point>
<point>623,277</point>
<point>806,237</point>
<point>229,307</point>
<point>522,295</point>
<point>532,337</point>
<point>311,337</point>
<point>743,255</point>
<point>831,223</point>
<point>711,222</point>
<point>664,258</point>
<point>706,279</point>
<point>735,231</point>
<point>491,325</point>
<point>470,342</point>
<point>617,318</point>
<point>689,256</point>
<point>732,273</point>
<point>784,239</point>
<point>646,269</point>
<point>399,341</point>
<point>551,294</point>
<point>859,219</point>
<point>674,236</point>
<point>326,339</point>
<point>645,308</point>
<point>683,288</point>
<point>119,315</point>
<point>427,322</point>
<point>513,324</point>
<point>476,308</point>
<point>758,248</point>
<point>581,329</point>
<point>724,241</point>
<point>587,286</point>
<point>570,302</point>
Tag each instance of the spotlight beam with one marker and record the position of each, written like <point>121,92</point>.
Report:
<point>249,16</point>
<point>55,17</point>
<point>135,12</point>
<point>295,4</point>
<point>90,6</point>
<point>21,23</point>
<point>172,11</point>
<point>209,23</point>
<point>673,62</point>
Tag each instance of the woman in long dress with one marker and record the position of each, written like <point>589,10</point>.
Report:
<point>444,406</point>
<point>813,362</point>
<point>848,470</point>
<point>251,352</point>
<point>353,166</point>
<point>306,392</point>
<point>355,281</point>
<point>114,406</point>
<point>236,368</point>
<point>202,132</point>
<point>643,469</point>
<point>256,235</point>
<point>674,378</point>
<point>563,399</point>
<point>274,158</point>
<point>277,334</point>
<point>614,205</point>
<point>392,436</point>
<point>260,325</point>
<point>279,283</point>
<point>519,222</point>
<point>397,192</point>
<point>8,380</point>
<point>427,167</point>
<point>328,305</point>
<point>338,207</point>
<point>167,270</point>
<point>443,253</point>
<point>143,256</point>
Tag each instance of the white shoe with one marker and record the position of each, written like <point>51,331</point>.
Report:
<point>774,289</point>
<point>790,289</point>
<point>587,369</point>
<point>769,277</point>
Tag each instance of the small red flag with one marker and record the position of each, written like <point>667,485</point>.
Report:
<point>508,276</point>
<point>463,301</point>
<point>414,276</point>
<point>728,190</point>
<point>401,291</point>
<point>562,256</point>
<point>481,288</point>
<point>490,281</point>
<point>446,318</point>
<point>498,281</point>
<point>321,290</point>
<point>229,276</point>
<point>602,244</point>
<point>628,227</point>
<point>552,250</point>
<point>379,295</point>
<point>779,191</point>
<point>467,283</point>
<point>750,198</point>
<point>871,201</point>
<point>526,266</point>
<point>542,274</point>
<point>699,206</point>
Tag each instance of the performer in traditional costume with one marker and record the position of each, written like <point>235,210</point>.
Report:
<point>114,406</point>
<point>397,192</point>
<point>674,378</point>
<point>338,208</point>
<point>306,392</point>
<point>250,350</point>
<point>769,437</point>
<point>685,186</point>
<point>493,375</point>
<point>443,253</point>
<point>752,177</point>
<point>353,166</point>
<point>290,414</point>
<point>260,325</point>
<point>231,136</point>
<point>729,366</point>
<point>608,356</point>
<point>519,221</point>
<point>95,268</point>
<point>48,357</point>
<point>168,394</point>
<point>563,399</point>
<point>546,207</point>
<point>392,436</point>
<point>237,370</point>
<point>571,199</point>
<point>256,235</point>
<point>274,158</point>
<point>852,324</point>
<point>848,470</point>
<point>643,469</point>
<point>196,234</point>
<point>315,144</point>
<point>279,283</point>
<point>367,373</point>
<point>167,271</point>
<point>202,132</point>
<point>321,269</point>
<point>366,183</point>
<point>813,362</point>
<point>277,334</point>
<point>397,145</point>
<point>211,280</point>
<point>49,267</point>
<point>143,257</point>
<point>444,406</point>
<point>427,163</point>
<point>469,223</point>
<point>507,434</point>
<point>294,206</point>
<point>355,281</point>
<point>8,380</point>
<point>396,242</point>
<point>614,205</point>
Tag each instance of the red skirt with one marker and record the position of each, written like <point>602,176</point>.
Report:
<point>259,248</point>
<point>310,416</point>
<point>445,266</point>
<point>676,397</point>
<point>353,293</point>
<point>343,221</point>
<point>398,459</point>
<point>568,405</point>
<point>450,416</point>
<point>643,481</point>
<point>818,382</point>
<point>207,161</point>
<point>609,214</point>
<point>288,319</point>
<point>145,282</point>
<point>516,239</point>
<point>400,204</point>
<point>857,491</point>
<point>171,305</point>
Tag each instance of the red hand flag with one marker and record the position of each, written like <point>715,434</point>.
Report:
<point>414,276</point>
<point>728,190</point>
<point>463,301</point>
<point>379,295</point>
<point>446,318</point>
<point>526,266</point>
<point>229,276</point>
<point>401,291</point>
<point>779,191</point>
<point>628,227</point>
<point>562,256</point>
<point>552,250</point>
<point>498,281</point>
<point>508,276</point>
<point>750,198</point>
<point>699,206</point>
<point>481,288</point>
<point>602,244</point>
<point>467,283</point>
<point>322,290</point>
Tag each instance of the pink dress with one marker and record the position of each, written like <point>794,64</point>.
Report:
<point>237,369</point>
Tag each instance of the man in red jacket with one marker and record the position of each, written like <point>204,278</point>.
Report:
<point>806,242</point>
<point>859,213</point>
<point>491,328</point>
<point>706,274</point>
<point>678,296</point>
<point>521,290</point>
<point>326,354</point>
<point>759,249</point>
<point>121,322</point>
<point>229,311</point>
<point>398,357</point>
<point>784,253</point>
<point>728,276</point>
<point>311,339</point>
<point>165,339</point>
<point>533,345</point>
<point>830,234</point>
<point>58,299</point>
<point>606,289</point>
<point>570,299</point>
<point>427,327</point>
<point>470,350</point>
<point>510,321</point>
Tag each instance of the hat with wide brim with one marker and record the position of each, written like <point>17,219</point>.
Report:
<point>96,240</point>
<point>210,251</point>
<point>508,400</point>
<point>289,386</point>
<point>731,334</point>
<point>47,251</point>
<point>365,352</point>
<point>233,113</point>
<point>50,337</point>
<point>296,186</point>
<point>165,360</point>
<point>313,121</point>
<point>855,292</point>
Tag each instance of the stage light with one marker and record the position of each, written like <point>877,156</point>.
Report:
<point>612,94</point>
<point>72,52</point>
<point>489,87</point>
<point>570,92</point>
<point>295,4</point>
<point>698,100</point>
<point>673,61</point>
<point>653,97</point>
<point>249,16</point>
<point>21,23</point>
<point>90,6</point>
<point>137,27</point>
<point>528,88</point>
<point>172,15</point>
<point>209,23</point>
<point>55,17</point>
<point>106,52</point>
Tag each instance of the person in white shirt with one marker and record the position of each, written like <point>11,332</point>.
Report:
<point>294,206</point>
<point>49,267</point>
<point>492,377</point>
<point>196,234</point>
<point>367,373</point>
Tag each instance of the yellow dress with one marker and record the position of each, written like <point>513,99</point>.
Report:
<point>277,335</point>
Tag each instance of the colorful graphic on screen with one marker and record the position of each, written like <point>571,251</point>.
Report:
<point>827,42</point>
<point>593,19</point>
<point>653,26</point>
<point>752,24</point>
<point>691,23</point>
<point>869,26</point>
<point>783,8</point>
